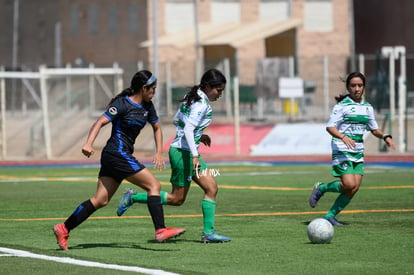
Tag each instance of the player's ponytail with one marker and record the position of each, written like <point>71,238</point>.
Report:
<point>191,96</point>
<point>140,79</point>
<point>212,78</point>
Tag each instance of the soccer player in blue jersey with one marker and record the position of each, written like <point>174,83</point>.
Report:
<point>350,119</point>
<point>193,116</point>
<point>128,112</point>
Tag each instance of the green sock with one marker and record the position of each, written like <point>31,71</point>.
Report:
<point>143,197</point>
<point>341,202</point>
<point>209,211</point>
<point>334,186</point>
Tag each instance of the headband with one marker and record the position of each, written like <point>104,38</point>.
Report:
<point>151,80</point>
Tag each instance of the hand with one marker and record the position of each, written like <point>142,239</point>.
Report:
<point>349,142</point>
<point>87,150</point>
<point>206,140</point>
<point>390,143</point>
<point>158,161</point>
<point>196,163</point>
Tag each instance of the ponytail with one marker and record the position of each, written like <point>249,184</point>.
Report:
<point>212,78</point>
<point>191,96</point>
<point>140,79</point>
<point>126,92</point>
<point>339,98</point>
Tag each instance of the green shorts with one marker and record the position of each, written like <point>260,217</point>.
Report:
<point>181,162</point>
<point>348,167</point>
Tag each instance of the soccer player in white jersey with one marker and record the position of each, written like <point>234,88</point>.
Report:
<point>193,116</point>
<point>350,119</point>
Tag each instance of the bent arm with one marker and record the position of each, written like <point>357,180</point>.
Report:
<point>349,142</point>
<point>87,149</point>
<point>335,132</point>
<point>387,138</point>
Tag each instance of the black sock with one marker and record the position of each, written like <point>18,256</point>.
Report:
<point>156,211</point>
<point>82,212</point>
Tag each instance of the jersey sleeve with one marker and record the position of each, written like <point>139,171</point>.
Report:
<point>114,109</point>
<point>372,123</point>
<point>336,116</point>
<point>152,113</point>
<point>197,111</point>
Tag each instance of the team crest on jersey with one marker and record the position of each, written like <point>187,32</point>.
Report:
<point>113,110</point>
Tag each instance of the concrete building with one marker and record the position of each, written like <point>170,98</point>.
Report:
<point>317,33</point>
<point>243,31</point>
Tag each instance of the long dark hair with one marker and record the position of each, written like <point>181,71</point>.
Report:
<point>140,79</point>
<point>347,82</point>
<point>212,78</point>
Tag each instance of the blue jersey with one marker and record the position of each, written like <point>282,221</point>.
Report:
<point>128,118</point>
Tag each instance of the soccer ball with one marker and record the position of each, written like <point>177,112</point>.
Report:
<point>320,231</point>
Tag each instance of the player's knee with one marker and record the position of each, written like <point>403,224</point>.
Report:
<point>176,201</point>
<point>214,189</point>
<point>355,189</point>
<point>212,192</point>
<point>101,203</point>
<point>350,189</point>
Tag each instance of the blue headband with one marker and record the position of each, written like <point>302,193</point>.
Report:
<point>151,80</point>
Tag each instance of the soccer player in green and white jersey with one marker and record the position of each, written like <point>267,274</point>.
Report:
<point>350,119</point>
<point>193,116</point>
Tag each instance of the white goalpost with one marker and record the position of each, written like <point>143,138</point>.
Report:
<point>43,75</point>
<point>394,53</point>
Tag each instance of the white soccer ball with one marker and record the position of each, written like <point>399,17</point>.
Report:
<point>320,231</point>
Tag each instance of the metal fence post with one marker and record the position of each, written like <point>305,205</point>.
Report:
<point>45,110</point>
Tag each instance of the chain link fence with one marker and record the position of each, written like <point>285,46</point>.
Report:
<point>74,108</point>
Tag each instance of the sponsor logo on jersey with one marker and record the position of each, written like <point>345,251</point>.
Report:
<point>113,110</point>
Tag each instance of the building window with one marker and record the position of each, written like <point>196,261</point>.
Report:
<point>318,15</point>
<point>225,11</point>
<point>133,18</point>
<point>93,20</point>
<point>113,19</point>
<point>179,15</point>
<point>277,10</point>
<point>74,21</point>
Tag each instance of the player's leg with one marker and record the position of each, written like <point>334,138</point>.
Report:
<point>320,188</point>
<point>208,205</point>
<point>181,167</point>
<point>349,186</point>
<point>333,186</point>
<point>176,197</point>
<point>106,187</point>
<point>180,180</point>
<point>146,180</point>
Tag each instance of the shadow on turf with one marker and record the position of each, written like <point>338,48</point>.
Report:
<point>131,246</point>
<point>117,245</point>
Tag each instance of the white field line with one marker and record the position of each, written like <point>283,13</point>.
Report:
<point>66,260</point>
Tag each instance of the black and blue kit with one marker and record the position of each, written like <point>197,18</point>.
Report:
<point>128,118</point>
